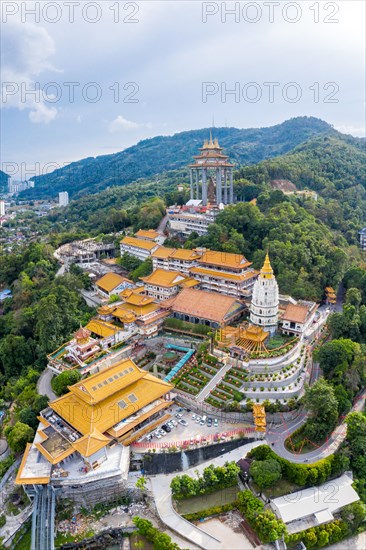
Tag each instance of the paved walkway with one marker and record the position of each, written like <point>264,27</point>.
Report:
<point>160,486</point>
<point>215,380</point>
<point>44,384</point>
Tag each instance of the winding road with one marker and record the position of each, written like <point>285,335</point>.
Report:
<point>44,385</point>
<point>276,437</point>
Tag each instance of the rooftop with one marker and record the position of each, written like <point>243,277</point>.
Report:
<point>303,503</point>
<point>205,305</point>
<point>110,281</point>
<point>106,398</point>
<point>222,275</point>
<point>295,313</point>
<point>102,328</point>
<point>224,259</point>
<point>164,278</point>
<point>149,234</point>
<point>139,243</point>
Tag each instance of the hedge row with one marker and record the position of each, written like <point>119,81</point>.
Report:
<point>304,474</point>
<point>213,511</point>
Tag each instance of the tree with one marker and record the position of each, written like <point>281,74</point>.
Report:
<point>265,472</point>
<point>320,401</point>
<point>18,436</point>
<point>15,354</point>
<point>67,378</point>
<point>354,297</point>
<point>28,416</point>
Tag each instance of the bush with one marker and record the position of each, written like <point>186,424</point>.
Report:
<point>304,474</point>
<point>213,478</point>
<point>161,541</point>
<point>265,472</point>
<point>264,522</point>
<point>2,520</point>
<point>213,511</point>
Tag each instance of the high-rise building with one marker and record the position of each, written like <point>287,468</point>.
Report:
<point>63,198</point>
<point>2,208</point>
<point>265,299</point>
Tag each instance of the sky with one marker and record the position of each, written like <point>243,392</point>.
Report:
<point>83,78</point>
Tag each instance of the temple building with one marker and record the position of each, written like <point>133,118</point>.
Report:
<point>162,284</point>
<point>79,433</point>
<point>212,172</point>
<point>265,299</point>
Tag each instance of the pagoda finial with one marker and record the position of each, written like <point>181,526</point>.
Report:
<point>267,271</point>
<point>211,142</point>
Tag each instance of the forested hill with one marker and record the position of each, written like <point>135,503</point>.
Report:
<point>158,154</point>
<point>334,166</point>
<point>3,181</point>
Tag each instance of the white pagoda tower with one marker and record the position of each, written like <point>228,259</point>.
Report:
<point>264,305</point>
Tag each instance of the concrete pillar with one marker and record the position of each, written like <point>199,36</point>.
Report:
<point>225,186</point>
<point>204,186</point>
<point>191,181</point>
<point>231,200</point>
<point>218,186</point>
<point>197,185</point>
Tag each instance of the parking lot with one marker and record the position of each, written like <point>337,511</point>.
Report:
<point>194,432</point>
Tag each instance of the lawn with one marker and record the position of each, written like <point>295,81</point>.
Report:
<point>196,504</point>
<point>282,487</point>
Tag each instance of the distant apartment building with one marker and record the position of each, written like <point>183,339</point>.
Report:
<point>362,234</point>
<point>63,198</point>
<point>15,186</point>
<point>2,209</point>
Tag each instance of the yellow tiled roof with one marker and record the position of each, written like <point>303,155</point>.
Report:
<point>139,243</point>
<point>87,407</point>
<point>162,277</point>
<point>110,281</point>
<point>189,282</point>
<point>91,443</point>
<point>162,252</point>
<point>147,234</point>
<point>224,259</point>
<point>101,328</point>
<point>185,254</point>
<point>138,299</point>
<point>222,275</point>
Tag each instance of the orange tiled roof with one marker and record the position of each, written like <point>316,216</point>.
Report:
<point>205,305</point>
<point>223,275</point>
<point>110,281</point>
<point>224,259</point>
<point>162,252</point>
<point>162,277</point>
<point>149,234</point>
<point>139,243</point>
<point>295,313</point>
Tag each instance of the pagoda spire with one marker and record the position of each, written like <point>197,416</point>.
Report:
<point>267,271</point>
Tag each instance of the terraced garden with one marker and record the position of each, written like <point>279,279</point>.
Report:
<point>194,376</point>
<point>228,389</point>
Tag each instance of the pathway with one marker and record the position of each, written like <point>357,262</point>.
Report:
<point>160,486</point>
<point>211,385</point>
<point>44,385</point>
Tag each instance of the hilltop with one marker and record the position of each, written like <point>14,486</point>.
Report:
<point>162,153</point>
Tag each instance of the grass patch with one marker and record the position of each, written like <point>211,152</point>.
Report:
<point>196,504</point>
<point>25,542</point>
<point>280,488</point>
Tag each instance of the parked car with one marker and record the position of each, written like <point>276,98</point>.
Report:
<point>183,422</point>
<point>202,422</point>
<point>216,422</point>
<point>166,428</point>
<point>209,422</point>
<point>193,417</point>
<point>178,415</point>
<point>162,432</point>
<point>198,419</point>
<point>158,436</point>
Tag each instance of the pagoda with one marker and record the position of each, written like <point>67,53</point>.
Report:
<point>265,299</point>
<point>211,162</point>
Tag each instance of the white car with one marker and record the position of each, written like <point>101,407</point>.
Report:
<point>158,436</point>
<point>162,432</point>
<point>173,422</point>
<point>193,417</point>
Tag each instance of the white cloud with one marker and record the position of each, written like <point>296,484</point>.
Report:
<point>121,124</point>
<point>26,49</point>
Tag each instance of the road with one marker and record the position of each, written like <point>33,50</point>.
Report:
<point>44,385</point>
<point>276,437</point>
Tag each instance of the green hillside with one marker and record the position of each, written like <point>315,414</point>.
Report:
<point>162,153</point>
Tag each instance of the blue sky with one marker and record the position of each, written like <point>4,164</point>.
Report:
<point>166,66</point>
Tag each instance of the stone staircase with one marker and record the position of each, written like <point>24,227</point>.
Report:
<point>211,385</point>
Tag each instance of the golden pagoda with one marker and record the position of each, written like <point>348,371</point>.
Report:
<point>266,271</point>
